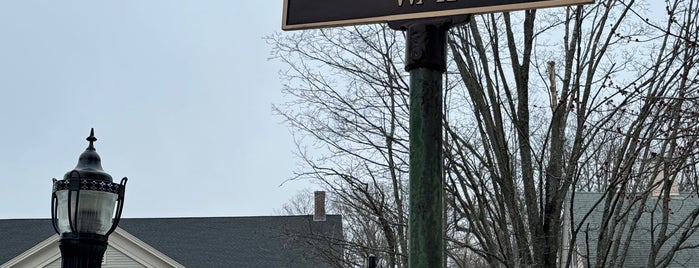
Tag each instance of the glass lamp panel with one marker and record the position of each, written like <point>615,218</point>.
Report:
<point>95,211</point>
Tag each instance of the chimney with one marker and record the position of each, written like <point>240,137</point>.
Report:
<point>660,180</point>
<point>319,197</point>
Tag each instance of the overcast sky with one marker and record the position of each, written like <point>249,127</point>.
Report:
<point>179,94</point>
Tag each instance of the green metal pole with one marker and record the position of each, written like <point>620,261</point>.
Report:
<point>426,44</point>
<point>426,247</point>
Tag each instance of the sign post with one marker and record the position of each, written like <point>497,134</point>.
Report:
<point>426,47</point>
<point>426,23</point>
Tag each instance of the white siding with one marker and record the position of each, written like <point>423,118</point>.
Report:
<point>54,264</point>
<point>113,259</point>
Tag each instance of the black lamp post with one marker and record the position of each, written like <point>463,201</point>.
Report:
<point>83,210</point>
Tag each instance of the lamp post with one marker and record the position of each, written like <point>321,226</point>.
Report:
<point>85,209</point>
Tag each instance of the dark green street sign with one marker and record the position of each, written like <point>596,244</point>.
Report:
<point>306,14</point>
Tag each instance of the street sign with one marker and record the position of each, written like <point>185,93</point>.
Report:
<point>307,14</point>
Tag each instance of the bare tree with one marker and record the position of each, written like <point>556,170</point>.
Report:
<point>302,203</point>
<point>539,105</point>
<point>356,119</point>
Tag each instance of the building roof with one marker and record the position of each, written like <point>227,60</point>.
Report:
<point>265,241</point>
<point>20,235</point>
<point>641,241</point>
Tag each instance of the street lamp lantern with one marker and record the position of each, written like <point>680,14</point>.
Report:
<point>86,207</point>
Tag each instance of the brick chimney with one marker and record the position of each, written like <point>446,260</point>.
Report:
<point>319,197</point>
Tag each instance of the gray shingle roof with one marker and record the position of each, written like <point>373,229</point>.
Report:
<point>272,241</point>
<point>642,239</point>
<point>17,236</point>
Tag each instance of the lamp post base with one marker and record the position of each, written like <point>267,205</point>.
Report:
<point>82,250</point>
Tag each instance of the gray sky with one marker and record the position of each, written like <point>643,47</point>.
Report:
<point>179,94</point>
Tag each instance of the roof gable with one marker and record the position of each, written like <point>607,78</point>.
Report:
<point>39,255</point>
<point>20,235</point>
<point>272,241</point>
<point>121,242</point>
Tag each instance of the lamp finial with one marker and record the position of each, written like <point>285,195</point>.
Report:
<point>91,139</point>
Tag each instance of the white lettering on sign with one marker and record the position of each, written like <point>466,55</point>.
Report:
<point>419,2</point>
